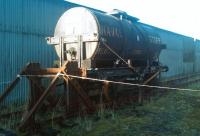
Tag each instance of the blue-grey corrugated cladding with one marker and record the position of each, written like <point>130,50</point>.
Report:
<point>197,54</point>
<point>24,24</point>
<point>172,52</point>
<point>174,56</point>
<point>188,55</point>
<point>182,54</point>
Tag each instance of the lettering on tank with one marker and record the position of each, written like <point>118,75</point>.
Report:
<point>154,39</point>
<point>111,31</point>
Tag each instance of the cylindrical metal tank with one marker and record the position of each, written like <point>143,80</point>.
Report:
<point>123,34</point>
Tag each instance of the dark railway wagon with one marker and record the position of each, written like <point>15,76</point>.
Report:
<point>113,46</point>
<point>139,44</point>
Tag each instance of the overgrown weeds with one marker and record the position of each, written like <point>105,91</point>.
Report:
<point>174,114</point>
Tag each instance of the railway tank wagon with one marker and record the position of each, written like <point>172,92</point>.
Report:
<point>97,50</point>
<point>118,41</point>
<point>112,46</point>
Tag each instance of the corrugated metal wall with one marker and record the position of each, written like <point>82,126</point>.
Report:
<point>24,24</point>
<point>179,55</point>
<point>182,53</point>
<point>197,56</point>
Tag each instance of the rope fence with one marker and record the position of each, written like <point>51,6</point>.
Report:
<point>117,82</point>
<point>131,84</point>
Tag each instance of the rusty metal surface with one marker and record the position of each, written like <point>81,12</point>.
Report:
<point>38,96</point>
<point>105,89</point>
<point>37,103</point>
<point>122,97</point>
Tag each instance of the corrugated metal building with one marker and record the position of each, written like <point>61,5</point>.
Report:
<point>24,24</point>
<point>197,56</point>
<point>181,54</point>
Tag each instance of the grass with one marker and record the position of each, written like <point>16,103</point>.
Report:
<point>11,122</point>
<point>174,114</point>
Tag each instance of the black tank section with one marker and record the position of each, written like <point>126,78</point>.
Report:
<point>128,38</point>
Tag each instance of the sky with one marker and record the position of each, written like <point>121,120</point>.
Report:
<point>180,16</point>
